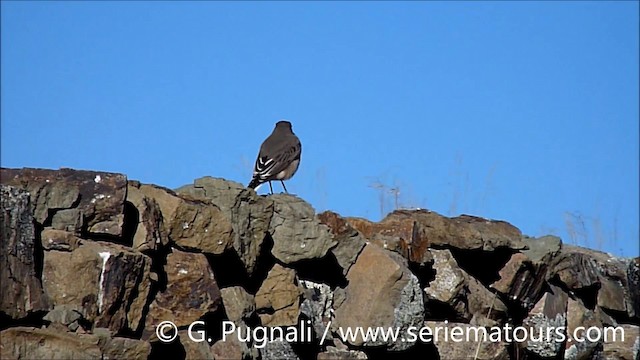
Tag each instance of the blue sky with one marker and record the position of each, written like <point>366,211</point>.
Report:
<point>520,111</point>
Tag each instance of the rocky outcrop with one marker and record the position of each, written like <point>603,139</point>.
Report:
<point>92,263</point>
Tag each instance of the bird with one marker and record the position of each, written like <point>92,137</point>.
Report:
<point>279,157</point>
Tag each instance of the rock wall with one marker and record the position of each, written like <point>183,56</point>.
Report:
<point>92,263</point>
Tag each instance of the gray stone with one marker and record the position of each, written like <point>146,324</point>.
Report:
<point>297,234</point>
<point>278,350</point>
<point>238,303</point>
<point>317,305</point>
<point>249,214</point>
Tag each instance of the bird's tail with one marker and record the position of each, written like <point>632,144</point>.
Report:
<point>254,182</point>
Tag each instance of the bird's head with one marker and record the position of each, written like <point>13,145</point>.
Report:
<point>283,124</point>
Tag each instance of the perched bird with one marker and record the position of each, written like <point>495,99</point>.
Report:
<point>278,158</point>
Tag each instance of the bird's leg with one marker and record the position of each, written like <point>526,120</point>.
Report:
<point>285,188</point>
<point>270,188</point>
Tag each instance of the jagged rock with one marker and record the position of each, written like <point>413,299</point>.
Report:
<point>523,277</point>
<point>594,272</point>
<point>195,350</point>
<point>414,231</point>
<point>317,305</point>
<point>278,350</point>
<point>297,234</point>
<point>97,196</point>
<point>64,315</point>
<point>626,349</point>
<point>191,223</point>
<point>110,283</point>
<point>450,349</point>
<point>279,296</point>
<point>191,292</point>
<point>21,288</point>
<point>579,316</point>
<point>34,343</point>
<point>150,232</point>
<point>548,314</point>
<point>250,214</point>
<point>381,292</point>
<point>463,294</point>
<point>238,303</point>
<point>333,353</point>
<point>350,242</point>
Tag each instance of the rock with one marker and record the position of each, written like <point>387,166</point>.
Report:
<point>229,349</point>
<point>449,348</point>
<point>381,292</point>
<point>278,350</point>
<point>277,299</point>
<point>63,314</point>
<point>317,305</point>
<point>419,230</point>
<point>590,272</point>
<point>542,249</point>
<point>627,348</point>
<point>22,291</point>
<point>250,214</point>
<point>333,353</point>
<point>97,197</point>
<point>67,220</point>
<point>546,316</point>
<point>195,350</point>
<point>150,232</point>
<point>633,284</point>
<point>297,234</point>
<point>191,291</point>
<point>238,303</point>
<point>33,343</point>
<point>463,294</point>
<point>110,283</point>
<point>523,277</point>
<point>124,348</point>
<point>579,318</point>
<point>191,224</point>
<point>349,241</point>
<point>60,240</point>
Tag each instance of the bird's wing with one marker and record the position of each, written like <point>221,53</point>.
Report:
<point>271,161</point>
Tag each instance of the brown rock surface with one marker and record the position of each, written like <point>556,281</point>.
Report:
<point>449,348</point>
<point>110,283</point>
<point>191,291</point>
<point>463,294</point>
<point>278,298</point>
<point>250,214</point>
<point>150,232</point>
<point>97,196</point>
<point>349,241</point>
<point>33,343</point>
<point>381,292</point>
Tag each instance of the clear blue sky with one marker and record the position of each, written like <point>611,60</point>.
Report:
<point>520,111</point>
